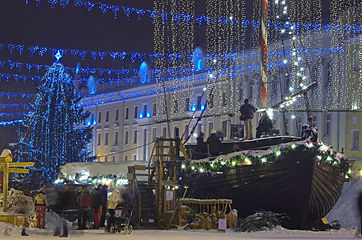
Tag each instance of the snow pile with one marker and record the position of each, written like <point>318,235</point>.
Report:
<point>346,210</point>
<point>94,169</point>
<point>21,204</point>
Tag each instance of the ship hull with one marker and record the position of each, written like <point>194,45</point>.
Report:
<point>295,185</point>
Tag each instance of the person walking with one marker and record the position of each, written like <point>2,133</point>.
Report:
<point>84,206</point>
<point>265,125</point>
<point>104,206</point>
<point>96,203</point>
<point>41,203</point>
<point>247,114</point>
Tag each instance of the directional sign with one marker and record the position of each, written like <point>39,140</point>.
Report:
<point>18,170</point>
<point>18,164</point>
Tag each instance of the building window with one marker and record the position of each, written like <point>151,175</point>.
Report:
<point>224,99</point>
<point>126,137</point>
<point>176,132</point>
<point>154,109</point>
<point>135,136</point>
<point>186,131</point>
<point>355,140</point>
<point>187,104</point>
<point>107,116</point>
<point>164,132</point>
<point>211,101</point>
<point>106,139</point>
<point>106,159</point>
<point>113,158</point>
<point>99,117</point>
<point>241,95</point>
<point>117,112</point>
<point>198,61</point>
<point>327,124</point>
<point>92,118</point>
<point>225,128</point>
<point>115,138</point>
<point>198,103</point>
<point>134,157</point>
<point>154,133</point>
<point>143,72</point>
<point>328,75</point>
<point>99,139</point>
<point>135,112</point>
<point>175,106</point>
<point>126,158</point>
<point>126,112</point>
<point>145,110</point>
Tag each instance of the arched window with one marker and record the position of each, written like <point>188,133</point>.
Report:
<point>198,60</point>
<point>91,85</point>
<point>143,73</point>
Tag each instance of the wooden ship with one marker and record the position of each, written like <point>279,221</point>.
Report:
<point>280,174</point>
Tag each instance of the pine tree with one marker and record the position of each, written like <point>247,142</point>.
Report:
<point>54,132</point>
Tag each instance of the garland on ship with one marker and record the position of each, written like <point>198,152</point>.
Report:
<point>322,154</point>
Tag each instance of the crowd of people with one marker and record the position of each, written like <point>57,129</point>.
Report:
<point>92,206</point>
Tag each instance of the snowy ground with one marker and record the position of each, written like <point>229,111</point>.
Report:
<point>181,234</point>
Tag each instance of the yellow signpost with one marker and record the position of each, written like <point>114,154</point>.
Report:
<point>8,166</point>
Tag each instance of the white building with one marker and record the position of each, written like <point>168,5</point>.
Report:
<point>127,121</point>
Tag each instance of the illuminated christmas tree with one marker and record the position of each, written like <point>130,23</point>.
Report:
<point>55,131</point>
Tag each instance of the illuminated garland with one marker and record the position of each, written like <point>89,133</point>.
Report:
<point>15,106</point>
<point>321,154</point>
<point>117,10</point>
<point>9,95</point>
<point>8,123</point>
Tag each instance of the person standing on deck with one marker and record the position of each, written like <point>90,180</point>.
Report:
<point>247,114</point>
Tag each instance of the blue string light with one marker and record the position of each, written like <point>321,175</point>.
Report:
<point>11,106</point>
<point>13,122</point>
<point>118,10</point>
<point>10,95</point>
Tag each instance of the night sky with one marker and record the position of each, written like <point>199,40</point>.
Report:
<point>76,28</point>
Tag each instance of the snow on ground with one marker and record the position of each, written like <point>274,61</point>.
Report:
<point>346,209</point>
<point>182,234</point>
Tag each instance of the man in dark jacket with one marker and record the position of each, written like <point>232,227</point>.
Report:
<point>265,125</point>
<point>96,203</point>
<point>104,206</point>
<point>213,143</point>
<point>247,114</point>
<point>201,148</point>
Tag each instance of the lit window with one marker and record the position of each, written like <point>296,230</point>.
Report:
<point>198,60</point>
<point>143,72</point>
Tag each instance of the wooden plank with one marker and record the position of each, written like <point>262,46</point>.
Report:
<point>21,164</point>
<point>18,170</point>
<point>140,167</point>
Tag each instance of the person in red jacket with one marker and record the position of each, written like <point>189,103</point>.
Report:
<point>84,206</point>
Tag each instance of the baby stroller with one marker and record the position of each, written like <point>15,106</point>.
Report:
<point>122,219</point>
